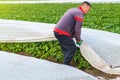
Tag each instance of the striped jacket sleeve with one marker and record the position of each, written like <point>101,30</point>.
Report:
<point>78,25</point>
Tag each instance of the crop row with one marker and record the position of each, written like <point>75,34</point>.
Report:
<point>102,16</point>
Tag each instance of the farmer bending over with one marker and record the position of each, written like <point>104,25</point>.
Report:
<point>69,27</point>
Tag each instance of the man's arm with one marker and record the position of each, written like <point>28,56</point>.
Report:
<point>78,26</point>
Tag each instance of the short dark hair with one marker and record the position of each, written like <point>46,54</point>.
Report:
<point>86,2</point>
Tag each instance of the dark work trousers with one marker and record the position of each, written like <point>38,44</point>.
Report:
<point>68,47</point>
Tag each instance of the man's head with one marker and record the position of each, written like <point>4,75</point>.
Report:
<point>86,6</point>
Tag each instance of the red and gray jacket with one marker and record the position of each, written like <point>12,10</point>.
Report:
<point>70,24</point>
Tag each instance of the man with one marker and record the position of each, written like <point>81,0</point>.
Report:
<point>69,27</point>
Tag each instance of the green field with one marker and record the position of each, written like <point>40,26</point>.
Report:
<point>102,16</point>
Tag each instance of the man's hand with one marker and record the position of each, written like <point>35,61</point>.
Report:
<point>80,42</point>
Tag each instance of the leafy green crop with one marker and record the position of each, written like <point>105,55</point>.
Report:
<point>102,16</point>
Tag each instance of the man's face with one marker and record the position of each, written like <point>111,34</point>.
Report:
<point>87,9</point>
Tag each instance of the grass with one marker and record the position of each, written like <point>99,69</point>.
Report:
<point>102,16</point>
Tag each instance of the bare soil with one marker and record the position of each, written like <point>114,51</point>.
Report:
<point>96,73</point>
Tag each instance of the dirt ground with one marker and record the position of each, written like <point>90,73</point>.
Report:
<point>92,71</point>
<point>97,73</point>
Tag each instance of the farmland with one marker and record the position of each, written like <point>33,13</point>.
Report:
<point>102,16</point>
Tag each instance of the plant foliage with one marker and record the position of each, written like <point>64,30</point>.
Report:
<point>102,16</point>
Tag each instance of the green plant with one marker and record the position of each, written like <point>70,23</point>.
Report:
<point>102,16</point>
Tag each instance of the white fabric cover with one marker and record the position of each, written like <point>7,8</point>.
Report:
<point>21,31</point>
<point>102,51</point>
<point>105,46</point>
<point>16,67</point>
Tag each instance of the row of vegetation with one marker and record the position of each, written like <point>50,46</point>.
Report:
<point>102,16</point>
